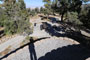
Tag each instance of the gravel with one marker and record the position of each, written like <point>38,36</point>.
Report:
<point>50,49</point>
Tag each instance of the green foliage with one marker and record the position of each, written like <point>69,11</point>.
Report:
<point>41,10</point>
<point>47,1</point>
<point>84,16</point>
<point>29,10</point>
<point>72,17</point>
<point>32,13</point>
<point>64,6</point>
<point>36,10</point>
<point>21,4</point>
<point>2,17</point>
<point>47,5</point>
<point>16,17</point>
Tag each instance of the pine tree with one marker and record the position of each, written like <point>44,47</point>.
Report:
<point>41,10</point>
<point>17,17</point>
<point>37,10</point>
<point>21,5</point>
<point>48,9</point>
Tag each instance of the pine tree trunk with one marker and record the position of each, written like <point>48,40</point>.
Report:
<point>62,17</point>
<point>48,16</point>
<point>53,13</point>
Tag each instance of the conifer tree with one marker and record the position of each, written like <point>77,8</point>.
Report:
<point>17,19</point>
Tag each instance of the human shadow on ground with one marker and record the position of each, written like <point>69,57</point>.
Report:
<point>28,44</point>
<point>70,52</point>
<point>32,50</point>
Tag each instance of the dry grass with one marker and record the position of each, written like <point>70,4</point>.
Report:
<point>6,51</point>
<point>6,38</point>
<point>27,40</point>
<point>2,28</point>
<point>34,17</point>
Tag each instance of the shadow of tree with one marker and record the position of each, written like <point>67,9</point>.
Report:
<point>50,29</point>
<point>54,20</point>
<point>2,34</point>
<point>68,32</point>
<point>70,52</point>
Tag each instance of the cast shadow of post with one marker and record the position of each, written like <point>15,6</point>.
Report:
<point>32,50</point>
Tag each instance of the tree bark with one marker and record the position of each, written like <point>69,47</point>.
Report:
<point>62,17</point>
<point>47,16</point>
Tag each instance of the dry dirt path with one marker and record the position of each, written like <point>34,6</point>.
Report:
<point>11,42</point>
<point>51,49</point>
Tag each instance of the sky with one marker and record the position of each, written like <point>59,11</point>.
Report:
<point>33,3</point>
<point>88,2</point>
<point>37,3</point>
